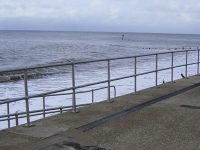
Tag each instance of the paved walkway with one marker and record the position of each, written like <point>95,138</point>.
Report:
<point>157,118</point>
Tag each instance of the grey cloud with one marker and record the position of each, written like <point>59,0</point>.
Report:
<point>113,15</point>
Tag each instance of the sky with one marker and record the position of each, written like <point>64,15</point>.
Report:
<point>151,16</point>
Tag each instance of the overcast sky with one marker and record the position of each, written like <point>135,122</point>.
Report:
<point>155,16</point>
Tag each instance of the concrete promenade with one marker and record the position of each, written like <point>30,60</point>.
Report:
<point>156,118</point>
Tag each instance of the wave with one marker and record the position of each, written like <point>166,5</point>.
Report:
<point>39,72</point>
<point>21,77</point>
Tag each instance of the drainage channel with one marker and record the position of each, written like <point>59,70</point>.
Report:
<point>125,112</point>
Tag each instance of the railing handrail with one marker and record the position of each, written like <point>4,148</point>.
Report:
<point>54,108</point>
<point>35,111</point>
<point>81,62</point>
<point>40,110</point>
<point>80,91</point>
<point>47,94</point>
<point>8,100</point>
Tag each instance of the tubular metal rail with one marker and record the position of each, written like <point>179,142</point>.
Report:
<point>44,111</point>
<point>74,106</point>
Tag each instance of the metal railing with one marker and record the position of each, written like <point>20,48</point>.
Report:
<point>74,106</point>
<point>45,111</point>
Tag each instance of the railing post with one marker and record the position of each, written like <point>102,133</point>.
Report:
<point>172,69</point>
<point>108,81</point>
<point>198,64</point>
<point>8,112</point>
<point>114,91</point>
<point>186,64</point>
<point>74,110</point>
<point>61,109</point>
<point>156,70</point>
<point>135,75</point>
<point>16,119</point>
<point>92,96</point>
<point>27,103</point>
<point>43,106</point>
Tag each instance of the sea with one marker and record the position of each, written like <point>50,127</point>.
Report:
<point>25,49</point>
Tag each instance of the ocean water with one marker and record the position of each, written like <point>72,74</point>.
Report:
<point>23,49</point>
